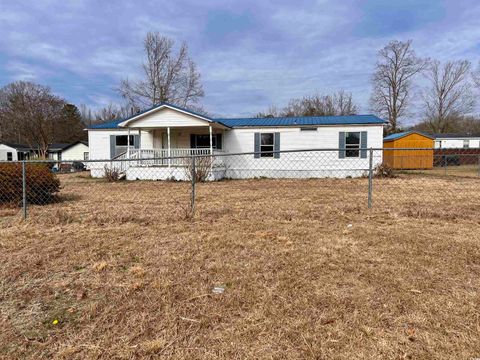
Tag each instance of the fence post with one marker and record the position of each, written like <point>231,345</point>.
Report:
<point>24,190</point>
<point>370,178</point>
<point>445,163</point>
<point>194,179</point>
<point>478,165</point>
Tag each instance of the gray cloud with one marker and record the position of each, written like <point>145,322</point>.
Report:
<point>251,54</point>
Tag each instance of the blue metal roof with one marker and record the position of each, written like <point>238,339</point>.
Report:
<point>107,125</point>
<point>404,133</point>
<point>264,122</point>
<point>302,121</point>
<point>396,135</point>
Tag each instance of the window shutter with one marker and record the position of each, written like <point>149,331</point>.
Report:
<point>112,146</point>
<point>219,141</point>
<point>276,145</point>
<point>257,146</point>
<point>192,141</point>
<point>341,144</point>
<point>363,144</point>
<point>136,141</point>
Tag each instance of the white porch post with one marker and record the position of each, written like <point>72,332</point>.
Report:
<point>128,143</point>
<point>139,143</point>
<point>211,142</point>
<point>168,149</point>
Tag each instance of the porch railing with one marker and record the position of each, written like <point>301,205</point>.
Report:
<point>162,157</point>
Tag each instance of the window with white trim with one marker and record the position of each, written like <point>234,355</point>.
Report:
<point>9,156</point>
<point>85,155</point>
<point>267,144</point>
<point>466,144</point>
<point>352,144</point>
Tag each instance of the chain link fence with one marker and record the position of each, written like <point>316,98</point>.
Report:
<point>142,189</point>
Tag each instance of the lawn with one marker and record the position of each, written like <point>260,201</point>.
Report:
<point>121,271</point>
<point>460,171</point>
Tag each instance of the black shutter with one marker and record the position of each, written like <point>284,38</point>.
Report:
<point>256,147</point>
<point>363,144</point>
<point>341,144</point>
<point>112,146</point>
<point>219,142</point>
<point>276,145</point>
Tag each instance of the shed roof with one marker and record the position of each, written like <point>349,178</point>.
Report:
<point>400,135</point>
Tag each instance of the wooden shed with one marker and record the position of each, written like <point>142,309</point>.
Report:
<point>408,159</point>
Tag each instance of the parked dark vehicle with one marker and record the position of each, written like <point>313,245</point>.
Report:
<point>69,167</point>
<point>79,166</point>
<point>447,160</point>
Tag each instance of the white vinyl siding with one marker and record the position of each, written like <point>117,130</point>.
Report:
<point>457,143</point>
<point>75,152</point>
<point>327,162</point>
<point>167,118</point>
<point>4,150</point>
<point>326,137</point>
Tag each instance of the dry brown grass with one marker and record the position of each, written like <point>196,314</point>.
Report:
<point>308,271</point>
<point>461,171</point>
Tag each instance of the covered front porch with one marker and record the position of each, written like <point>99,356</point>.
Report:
<point>162,153</point>
<point>161,143</point>
<point>169,146</point>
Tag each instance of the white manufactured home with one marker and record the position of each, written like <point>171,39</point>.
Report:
<point>457,141</point>
<point>167,132</point>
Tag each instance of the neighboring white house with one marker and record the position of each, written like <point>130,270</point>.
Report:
<point>14,152</point>
<point>75,151</point>
<point>55,150</point>
<point>457,141</point>
<point>170,131</point>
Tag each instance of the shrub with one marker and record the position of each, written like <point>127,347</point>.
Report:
<point>383,171</point>
<point>111,173</point>
<point>203,168</point>
<point>42,184</point>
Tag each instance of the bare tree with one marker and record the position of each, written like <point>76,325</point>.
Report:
<point>30,112</point>
<point>344,103</point>
<point>476,76</point>
<point>449,95</point>
<point>167,76</point>
<point>339,103</point>
<point>113,112</point>
<point>392,80</point>
<point>86,114</point>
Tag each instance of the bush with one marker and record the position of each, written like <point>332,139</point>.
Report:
<point>383,171</point>
<point>42,184</point>
<point>203,168</point>
<point>111,173</point>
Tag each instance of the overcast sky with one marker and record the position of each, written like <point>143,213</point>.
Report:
<point>251,54</point>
